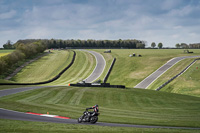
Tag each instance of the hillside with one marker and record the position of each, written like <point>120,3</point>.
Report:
<point>44,68</point>
<point>188,83</point>
<point>128,106</point>
<point>83,66</point>
<point>127,71</point>
<point>132,70</point>
<point>133,106</point>
<point>50,65</point>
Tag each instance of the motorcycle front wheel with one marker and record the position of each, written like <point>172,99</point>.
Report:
<point>93,119</point>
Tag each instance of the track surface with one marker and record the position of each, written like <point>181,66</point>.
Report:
<point>151,78</point>
<point>17,90</point>
<point>100,65</point>
<point>9,114</point>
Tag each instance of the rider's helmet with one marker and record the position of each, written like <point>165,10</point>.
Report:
<point>96,108</point>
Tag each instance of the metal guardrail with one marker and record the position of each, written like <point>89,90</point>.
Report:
<point>163,85</point>
<point>109,71</point>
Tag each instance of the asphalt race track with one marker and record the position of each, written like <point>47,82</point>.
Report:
<point>151,78</point>
<point>17,90</point>
<point>100,65</point>
<point>9,114</point>
<point>15,115</point>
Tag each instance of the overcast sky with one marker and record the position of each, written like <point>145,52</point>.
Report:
<point>166,21</point>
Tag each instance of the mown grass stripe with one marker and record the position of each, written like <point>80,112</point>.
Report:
<point>133,106</point>
<point>37,96</point>
<point>75,100</point>
<point>67,97</point>
<point>82,69</point>
<point>60,95</point>
<point>44,68</point>
<point>90,66</point>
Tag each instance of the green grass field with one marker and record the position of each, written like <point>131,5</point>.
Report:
<point>45,68</point>
<point>5,52</point>
<point>173,71</point>
<point>130,71</point>
<point>132,106</point>
<point>188,83</point>
<point>83,66</point>
<point>49,66</point>
<point>42,127</point>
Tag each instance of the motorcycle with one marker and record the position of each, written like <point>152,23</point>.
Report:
<point>91,117</point>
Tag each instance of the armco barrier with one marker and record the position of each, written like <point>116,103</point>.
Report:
<point>97,85</point>
<point>48,81</point>
<point>163,85</point>
<point>109,71</point>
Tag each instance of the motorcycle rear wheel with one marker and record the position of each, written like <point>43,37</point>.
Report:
<point>93,119</point>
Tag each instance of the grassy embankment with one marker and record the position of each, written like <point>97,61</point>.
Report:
<point>83,66</point>
<point>49,66</point>
<point>188,83</point>
<point>132,106</point>
<point>44,68</point>
<point>130,71</point>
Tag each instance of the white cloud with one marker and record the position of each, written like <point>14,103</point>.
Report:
<point>8,15</point>
<point>168,21</point>
<point>181,12</point>
<point>170,4</point>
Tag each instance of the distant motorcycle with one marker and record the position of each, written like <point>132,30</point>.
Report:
<point>91,117</point>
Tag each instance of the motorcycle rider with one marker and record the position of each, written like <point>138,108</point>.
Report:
<point>95,110</point>
<point>95,107</point>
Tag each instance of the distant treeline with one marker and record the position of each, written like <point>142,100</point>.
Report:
<point>186,46</point>
<point>57,43</point>
<point>22,52</point>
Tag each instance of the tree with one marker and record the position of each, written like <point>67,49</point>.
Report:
<point>184,45</point>
<point>153,44</point>
<point>160,45</point>
<point>140,45</point>
<point>178,45</point>
<point>8,45</point>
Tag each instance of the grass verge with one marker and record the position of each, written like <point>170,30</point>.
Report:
<point>44,68</point>
<point>129,71</point>
<point>131,106</point>
<point>173,71</point>
<point>188,83</point>
<point>43,127</point>
<point>83,66</point>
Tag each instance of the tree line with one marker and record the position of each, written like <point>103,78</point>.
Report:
<point>22,52</point>
<point>186,46</point>
<point>58,43</point>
